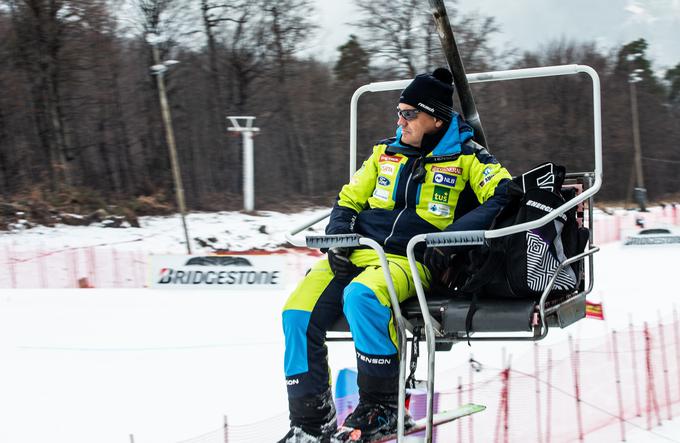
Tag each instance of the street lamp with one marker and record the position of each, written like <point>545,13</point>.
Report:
<point>640,193</point>
<point>159,69</point>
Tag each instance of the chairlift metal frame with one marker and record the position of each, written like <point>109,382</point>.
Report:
<point>592,182</point>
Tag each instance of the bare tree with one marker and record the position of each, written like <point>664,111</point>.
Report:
<point>40,27</point>
<point>401,34</point>
<point>289,26</point>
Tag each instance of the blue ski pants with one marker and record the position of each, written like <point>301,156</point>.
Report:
<point>320,299</point>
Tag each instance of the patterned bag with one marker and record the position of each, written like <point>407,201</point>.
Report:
<point>521,265</point>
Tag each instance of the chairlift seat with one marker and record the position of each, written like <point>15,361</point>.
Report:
<point>492,314</point>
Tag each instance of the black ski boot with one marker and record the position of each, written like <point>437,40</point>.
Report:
<point>312,419</point>
<point>370,421</point>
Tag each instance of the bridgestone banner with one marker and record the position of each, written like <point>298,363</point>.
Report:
<point>224,272</point>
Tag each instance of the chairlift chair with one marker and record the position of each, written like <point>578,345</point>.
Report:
<point>442,317</point>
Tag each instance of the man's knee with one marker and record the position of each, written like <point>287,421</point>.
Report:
<point>358,296</point>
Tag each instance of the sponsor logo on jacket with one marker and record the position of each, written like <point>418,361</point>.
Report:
<point>486,180</point>
<point>388,169</point>
<point>450,169</point>
<point>383,181</point>
<point>381,194</point>
<point>439,209</point>
<point>445,179</point>
<point>441,194</point>
<point>389,158</point>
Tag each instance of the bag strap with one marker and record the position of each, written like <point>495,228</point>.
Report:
<point>470,314</point>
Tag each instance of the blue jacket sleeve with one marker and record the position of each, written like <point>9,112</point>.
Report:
<point>483,216</point>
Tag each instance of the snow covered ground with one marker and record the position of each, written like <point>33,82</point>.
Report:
<point>234,231</point>
<point>83,366</point>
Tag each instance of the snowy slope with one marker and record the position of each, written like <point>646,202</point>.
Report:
<point>233,231</point>
<point>97,365</point>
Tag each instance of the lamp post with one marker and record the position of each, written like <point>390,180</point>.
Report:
<point>159,69</point>
<point>246,131</point>
<point>640,192</point>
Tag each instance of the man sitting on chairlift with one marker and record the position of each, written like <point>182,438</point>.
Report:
<point>430,177</point>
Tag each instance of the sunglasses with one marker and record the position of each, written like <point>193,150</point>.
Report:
<point>408,114</point>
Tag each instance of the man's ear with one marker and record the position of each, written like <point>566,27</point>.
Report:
<point>438,123</point>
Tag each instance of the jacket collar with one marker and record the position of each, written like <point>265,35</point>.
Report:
<point>458,133</point>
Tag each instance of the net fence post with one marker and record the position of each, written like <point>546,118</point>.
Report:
<point>460,402</point>
<point>631,333</point>
<point>548,399</point>
<point>575,364</point>
<point>471,429</point>
<point>664,364</point>
<point>676,336</point>
<point>539,432</point>
<point>226,430</point>
<point>619,396</point>
<point>9,253</point>
<point>652,404</point>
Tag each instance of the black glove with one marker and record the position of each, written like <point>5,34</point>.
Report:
<point>438,261</point>
<point>341,265</point>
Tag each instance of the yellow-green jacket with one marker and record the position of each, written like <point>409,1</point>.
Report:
<point>398,192</point>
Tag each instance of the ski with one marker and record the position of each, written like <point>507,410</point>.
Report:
<point>448,41</point>
<point>347,435</point>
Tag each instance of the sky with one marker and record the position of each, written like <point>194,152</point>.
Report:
<point>527,24</point>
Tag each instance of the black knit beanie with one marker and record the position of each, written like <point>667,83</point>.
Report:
<point>431,93</point>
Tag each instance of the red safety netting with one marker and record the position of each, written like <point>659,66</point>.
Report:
<point>597,389</point>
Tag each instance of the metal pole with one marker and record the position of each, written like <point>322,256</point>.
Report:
<point>170,138</point>
<point>448,41</point>
<point>639,177</point>
<point>248,172</point>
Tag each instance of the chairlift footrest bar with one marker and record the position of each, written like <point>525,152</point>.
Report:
<point>463,238</point>
<point>333,241</point>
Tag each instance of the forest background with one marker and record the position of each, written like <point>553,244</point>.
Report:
<point>81,127</point>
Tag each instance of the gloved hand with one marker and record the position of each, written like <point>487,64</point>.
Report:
<point>341,265</point>
<point>438,261</point>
